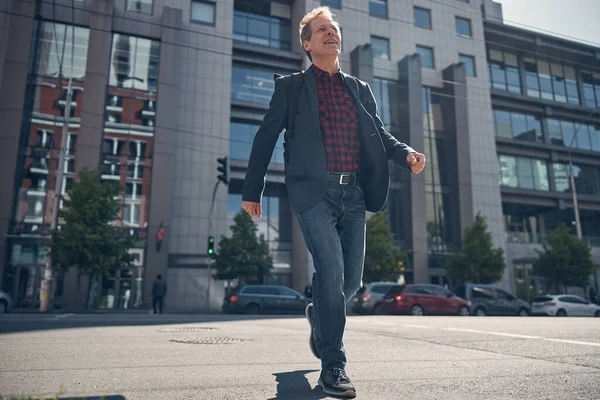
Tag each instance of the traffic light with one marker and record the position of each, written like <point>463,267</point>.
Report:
<point>211,246</point>
<point>224,168</point>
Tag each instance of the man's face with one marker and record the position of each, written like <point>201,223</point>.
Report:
<point>325,39</point>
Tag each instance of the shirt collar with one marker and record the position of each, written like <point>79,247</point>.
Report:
<point>319,72</point>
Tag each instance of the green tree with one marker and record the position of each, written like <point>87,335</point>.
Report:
<point>243,256</point>
<point>383,262</point>
<point>86,237</point>
<point>565,259</point>
<point>478,261</point>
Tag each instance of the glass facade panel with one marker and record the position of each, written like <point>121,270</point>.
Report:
<point>422,17</point>
<point>378,8</point>
<point>504,71</point>
<point>503,124</point>
<point>469,62</point>
<point>463,27</point>
<point>141,6</point>
<point>241,137</point>
<point>252,85</point>
<point>332,3</point>
<point>522,172</point>
<point>203,13</point>
<point>61,53</point>
<point>518,126</point>
<point>253,23</point>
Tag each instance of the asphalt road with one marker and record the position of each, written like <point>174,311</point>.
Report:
<point>135,356</point>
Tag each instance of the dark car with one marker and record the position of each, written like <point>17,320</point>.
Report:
<point>420,299</point>
<point>491,300</point>
<point>267,299</point>
<point>368,298</point>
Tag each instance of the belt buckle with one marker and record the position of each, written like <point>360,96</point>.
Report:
<point>342,176</point>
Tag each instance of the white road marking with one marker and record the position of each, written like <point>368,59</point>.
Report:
<point>385,323</point>
<point>515,335</point>
<point>418,326</point>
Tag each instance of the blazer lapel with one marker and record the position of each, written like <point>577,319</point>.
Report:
<point>352,84</point>
<point>311,87</point>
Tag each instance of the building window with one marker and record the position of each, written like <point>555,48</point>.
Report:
<point>422,17</point>
<point>274,226</point>
<point>469,62</point>
<point>587,178</point>
<point>253,22</point>
<point>523,172</point>
<point>253,85</point>
<point>378,8</point>
<point>388,103</point>
<point>380,47</point>
<point>203,13</point>
<point>141,6</point>
<point>463,27</point>
<point>427,59</point>
<point>504,71</point>
<point>575,135</point>
<point>332,3</point>
<point>512,125</point>
<point>241,137</point>
<point>591,88</point>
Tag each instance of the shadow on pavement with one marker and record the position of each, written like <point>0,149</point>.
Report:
<point>28,322</point>
<point>295,385</point>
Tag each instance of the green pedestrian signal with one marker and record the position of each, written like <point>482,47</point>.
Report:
<point>211,246</point>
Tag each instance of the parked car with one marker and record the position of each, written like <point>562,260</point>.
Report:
<point>255,299</point>
<point>420,299</point>
<point>368,298</point>
<point>564,305</point>
<point>491,300</point>
<point>5,302</point>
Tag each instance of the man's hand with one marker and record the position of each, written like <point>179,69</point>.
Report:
<point>252,208</point>
<point>416,162</point>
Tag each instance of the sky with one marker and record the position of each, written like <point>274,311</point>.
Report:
<point>579,19</point>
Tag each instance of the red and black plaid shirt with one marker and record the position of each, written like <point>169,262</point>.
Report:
<point>339,122</point>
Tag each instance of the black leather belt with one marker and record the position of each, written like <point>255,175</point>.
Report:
<point>343,178</point>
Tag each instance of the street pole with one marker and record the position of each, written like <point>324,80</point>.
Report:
<point>574,193</point>
<point>210,260</point>
<point>64,140</point>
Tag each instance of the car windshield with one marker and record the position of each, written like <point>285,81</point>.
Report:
<point>542,299</point>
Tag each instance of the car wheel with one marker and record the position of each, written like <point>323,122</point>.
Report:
<point>561,313</point>
<point>416,310</point>
<point>523,312</point>
<point>252,309</point>
<point>597,315</point>
<point>3,306</point>
<point>377,310</point>
<point>463,311</point>
<point>480,312</point>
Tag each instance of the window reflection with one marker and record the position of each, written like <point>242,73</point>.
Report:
<point>518,126</point>
<point>523,172</point>
<point>241,137</point>
<point>587,178</point>
<point>253,85</point>
<point>253,23</point>
<point>61,54</point>
<point>386,95</point>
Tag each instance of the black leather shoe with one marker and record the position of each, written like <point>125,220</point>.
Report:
<point>314,338</point>
<point>335,382</point>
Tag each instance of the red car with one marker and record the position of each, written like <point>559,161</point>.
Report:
<point>420,299</point>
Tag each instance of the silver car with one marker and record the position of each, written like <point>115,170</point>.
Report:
<point>5,302</point>
<point>564,305</point>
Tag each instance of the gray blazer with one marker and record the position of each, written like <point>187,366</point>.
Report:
<point>306,165</point>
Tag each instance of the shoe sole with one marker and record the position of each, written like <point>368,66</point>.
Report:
<point>311,344</point>
<point>350,394</point>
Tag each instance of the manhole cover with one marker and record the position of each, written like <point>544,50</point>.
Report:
<point>208,340</point>
<point>187,329</point>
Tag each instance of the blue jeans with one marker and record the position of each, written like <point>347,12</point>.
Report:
<point>334,232</point>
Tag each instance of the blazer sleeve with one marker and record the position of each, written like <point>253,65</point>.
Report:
<point>264,143</point>
<point>395,150</point>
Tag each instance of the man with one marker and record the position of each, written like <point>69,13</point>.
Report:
<point>159,289</point>
<point>336,169</point>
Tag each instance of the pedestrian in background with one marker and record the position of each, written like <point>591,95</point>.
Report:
<point>159,290</point>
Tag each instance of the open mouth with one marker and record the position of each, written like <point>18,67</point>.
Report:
<point>331,42</point>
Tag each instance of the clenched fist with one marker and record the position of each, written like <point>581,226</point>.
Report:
<point>416,162</point>
<point>252,208</point>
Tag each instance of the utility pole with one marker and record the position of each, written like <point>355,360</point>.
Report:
<point>46,286</point>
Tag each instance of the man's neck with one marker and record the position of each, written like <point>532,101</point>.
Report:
<point>328,65</point>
